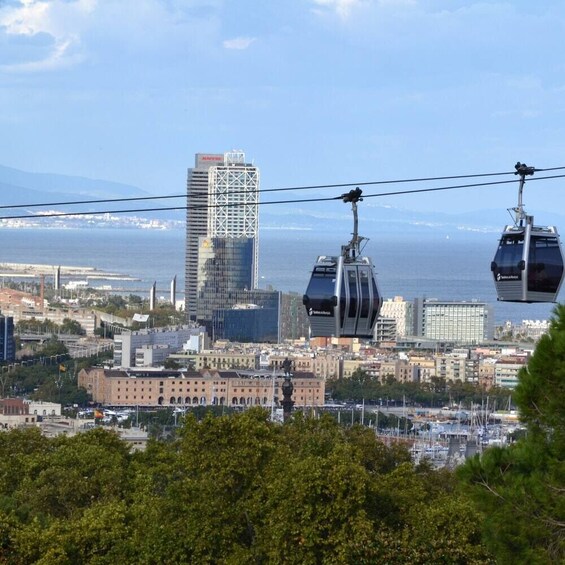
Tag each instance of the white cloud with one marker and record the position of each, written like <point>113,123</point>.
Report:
<point>54,17</point>
<point>342,8</point>
<point>27,19</point>
<point>238,43</point>
<point>59,57</point>
<point>62,21</point>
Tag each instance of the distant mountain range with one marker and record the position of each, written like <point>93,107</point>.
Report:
<point>21,188</point>
<point>376,219</point>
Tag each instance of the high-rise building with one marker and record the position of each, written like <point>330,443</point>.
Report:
<point>457,321</point>
<point>7,341</point>
<point>401,311</point>
<point>222,226</point>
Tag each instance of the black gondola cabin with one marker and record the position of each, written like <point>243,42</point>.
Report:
<point>342,298</point>
<point>528,265</point>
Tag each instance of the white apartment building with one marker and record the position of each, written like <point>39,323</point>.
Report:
<point>506,371</point>
<point>400,311</point>
<point>457,321</point>
<point>126,344</point>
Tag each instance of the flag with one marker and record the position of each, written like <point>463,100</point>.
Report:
<point>62,368</point>
<point>98,414</point>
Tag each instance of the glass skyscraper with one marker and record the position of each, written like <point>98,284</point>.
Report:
<point>255,317</point>
<point>222,222</point>
<point>7,341</point>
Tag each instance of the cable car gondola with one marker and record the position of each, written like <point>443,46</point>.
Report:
<point>528,265</point>
<point>342,298</point>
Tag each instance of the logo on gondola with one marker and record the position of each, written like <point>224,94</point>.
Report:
<point>500,277</point>
<point>312,312</point>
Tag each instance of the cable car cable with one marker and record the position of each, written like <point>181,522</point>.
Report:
<point>288,188</point>
<point>435,189</point>
<point>260,203</point>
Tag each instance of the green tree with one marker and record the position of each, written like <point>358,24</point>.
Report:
<point>171,364</point>
<point>63,500</point>
<point>238,489</point>
<point>71,327</point>
<point>520,489</point>
<point>36,326</point>
<point>54,347</point>
<point>113,304</point>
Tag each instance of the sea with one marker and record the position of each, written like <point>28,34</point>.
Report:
<point>430,265</point>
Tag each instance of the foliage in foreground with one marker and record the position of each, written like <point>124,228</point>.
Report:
<point>521,489</point>
<point>236,489</point>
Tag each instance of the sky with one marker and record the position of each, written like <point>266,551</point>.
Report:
<point>314,92</point>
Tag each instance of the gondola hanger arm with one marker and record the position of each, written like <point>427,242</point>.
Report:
<point>523,170</point>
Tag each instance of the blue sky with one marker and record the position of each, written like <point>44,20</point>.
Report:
<point>314,91</point>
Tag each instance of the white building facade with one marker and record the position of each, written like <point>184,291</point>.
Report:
<point>150,342</point>
<point>400,311</point>
<point>457,321</point>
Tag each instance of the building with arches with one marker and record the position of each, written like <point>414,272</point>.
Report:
<point>183,388</point>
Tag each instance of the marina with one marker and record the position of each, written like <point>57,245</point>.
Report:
<point>446,438</point>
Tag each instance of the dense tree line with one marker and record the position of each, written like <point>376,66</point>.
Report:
<point>436,393</point>
<point>163,315</point>
<point>237,489</point>
<point>33,325</point>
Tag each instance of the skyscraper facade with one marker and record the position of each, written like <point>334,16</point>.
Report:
<point>457,321</point>
<point>222,226</point>
<point>7,341</point>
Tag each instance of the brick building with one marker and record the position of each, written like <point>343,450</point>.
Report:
<point>154,387</point>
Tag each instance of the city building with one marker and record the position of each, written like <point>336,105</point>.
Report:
<point>326,365</point>
<point>350,366</point>
<point>153,355</point>
<point>451,367</point>
<point>152,387</point>
<point>486,372</point>
<point>401,312</point>
<point>218,360</point>
<point>43,409</point>
<point>506,370</point>
<point>254,318</point>
<point>385,330</point>
<point>531,329</point>
<point>128,343</point>
<point>14,413</point>
<point>456,321</point>
<point>25,306</point>
<point>20,304</point>
<point>424,366</point>
<point>221,233</point>
<point>7,341</point>
<point>399,370</point>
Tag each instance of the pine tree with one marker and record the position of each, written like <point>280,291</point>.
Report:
<point>521,488</point>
